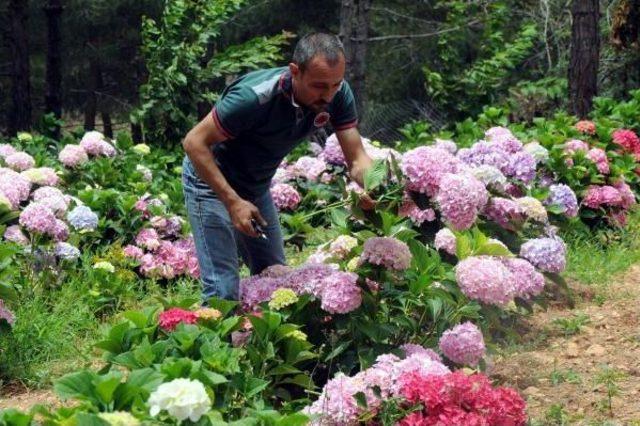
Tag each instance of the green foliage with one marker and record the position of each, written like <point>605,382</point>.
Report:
<point>185,64</point>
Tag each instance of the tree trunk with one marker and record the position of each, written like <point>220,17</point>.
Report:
<point>136,133</point>
<point>20,115</point>
<point>107,127</point>
<point>584,56</point>
<point>91,105</point>
<point>354,30</point>
<point>53,90</point>
<point>625,29</point>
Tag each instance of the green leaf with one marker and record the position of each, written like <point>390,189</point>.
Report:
<point>282,369</point>
<point>106,385</point>
<point>374,175</point>
<point>493,249</point>
<point>77,386</point>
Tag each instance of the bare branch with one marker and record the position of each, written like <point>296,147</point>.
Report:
<point>409,36</point>
<point>402,15</point>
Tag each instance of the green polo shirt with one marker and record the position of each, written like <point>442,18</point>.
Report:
<point>263,124</point>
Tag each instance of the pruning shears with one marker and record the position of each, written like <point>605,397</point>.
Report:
<point>259,229</point>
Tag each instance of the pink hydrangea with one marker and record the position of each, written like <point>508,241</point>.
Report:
<point>133,252</point>
<point>410,209</point>
<point>627,139</point>
<point>460,198</point>
<point>309,168</point>
<point>547,254</point>
<point>606,195</point>
<point>20,161</point>
<point>484,153</point>
<point>11,194</point>
<point>43,176</point>
<point>504,139</point>
<point>527,281</point>
<point>446,144</point>
<point>90,142</point>
<point>167,226</point>
<point>388,252</point>
<point>575,145</point>
<point>14,234</point>
<point>585,126</point>
<point>73,155</point>
<point>18,182</point>
<point>425,166</point>
<point>169,319</point>
<point>57,204</point>
<point>337,404</point>
<point>38,218</point>
<point>340,293</point>
<point>445,240</point>
<point>410,349</point>
<point>6,314</point>
<point>148,238</point>
<point>626,194</point>
<point>6,150</point>
<point>308,278</point>
<point>107,149</point>
<point>463,344</point>
<point>486,279</point>
<point>285,196</point>
<point>599,157</point>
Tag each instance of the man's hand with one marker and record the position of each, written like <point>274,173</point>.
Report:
<point>366,202</point>
<point>241,212</point>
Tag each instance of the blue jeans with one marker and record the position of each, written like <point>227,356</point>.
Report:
<point>218,243</point>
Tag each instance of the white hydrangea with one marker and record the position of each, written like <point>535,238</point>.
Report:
<point>119,418</point>
<point>341,246</point>
<point>141,148</point>
<point>537,151</point>
<point>105,266</point>
<point>488,175</point>
<point>533,208</point>
<point>147,175</point>
<point>181,398</point>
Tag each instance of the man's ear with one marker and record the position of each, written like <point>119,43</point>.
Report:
<point>294,69</point>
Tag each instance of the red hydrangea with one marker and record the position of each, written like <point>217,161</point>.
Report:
<point>458,399</point>
<point>170,318</point>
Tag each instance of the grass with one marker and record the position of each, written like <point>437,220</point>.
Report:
<point>593,257</point>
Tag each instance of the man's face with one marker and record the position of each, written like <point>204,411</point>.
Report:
<point>316,86</point>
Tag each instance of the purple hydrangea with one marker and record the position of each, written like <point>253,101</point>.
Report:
<point>308,278</point>
<point>388,252</point>
<point>66,251</point>
<point>20,161</point>
<point>547,254</point>
<point>285,196</point>
<point>521,166</point>
<point>60,231</point>
<point>167,226</point>
<point>332,152</point>
<point>14,234</point>
<point>73,155</point>
<point>82,218</point>
<point>38,218</point>
<point>107,149</point>
<point>463,344</point>
<point>504,139</point>
<point>461,197</point>
<point>505,212</point>
<point>425,166</point>
<point>340,293</point>
<point>256,289</point>
<point>337,404</point>
<point>562,196</point>
<point>528,282</point>
<point>484,153</point>
<point>445,240</point>
<point>486,279</point>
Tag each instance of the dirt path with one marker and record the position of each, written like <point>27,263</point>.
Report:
<point>23,398</point>
<point>564,353</point>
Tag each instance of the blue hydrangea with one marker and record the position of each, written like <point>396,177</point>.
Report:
<point>547,254</point>
<point>66,251</point>
<point>82,218</point>
<point>562,196</point>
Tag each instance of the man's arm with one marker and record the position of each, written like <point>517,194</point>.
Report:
<point>197,145</point>
<point>358,161</point>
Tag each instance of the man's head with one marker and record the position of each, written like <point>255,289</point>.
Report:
<point>317,70</point>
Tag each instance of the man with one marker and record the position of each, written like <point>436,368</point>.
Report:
<point>233,153</point>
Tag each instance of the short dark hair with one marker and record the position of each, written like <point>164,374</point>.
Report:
<point>314,44</point>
